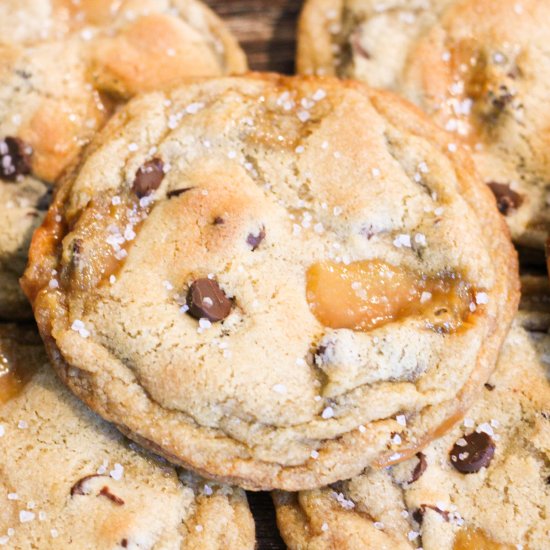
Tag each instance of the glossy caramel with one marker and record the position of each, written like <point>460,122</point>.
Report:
<point>14,374</point>
<point>476,539</point>
<point>367,294</point>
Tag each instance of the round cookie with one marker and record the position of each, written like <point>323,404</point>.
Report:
<point>257,276</point>
<point>68,479</point>
<point>484,485</point>
<point>480,68</point>
<point>64,67</point>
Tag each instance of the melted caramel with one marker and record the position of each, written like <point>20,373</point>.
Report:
<point>14,375</point>
<point>367,294</point>
<point>476,539</point>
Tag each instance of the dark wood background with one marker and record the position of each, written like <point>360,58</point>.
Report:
<point>267,32</point>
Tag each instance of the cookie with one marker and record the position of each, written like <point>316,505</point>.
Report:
<point>478,67</point>
<point>64,67</point>
<point>257,277</point>
<point>483,485</point>
<point>68,479</point>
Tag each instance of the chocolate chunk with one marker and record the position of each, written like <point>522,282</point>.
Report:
<point>15,158</point>
<point>255,240</point>
<point>124,543</point>
<point>206,300</point>
<point>78,487</point>
<point>420,468</point>
<point>105,492</point>
<point>178,192</point>
<point>148,178</point>
<point>489,387</point>
<point>507,198</point>
<point>477,453</point>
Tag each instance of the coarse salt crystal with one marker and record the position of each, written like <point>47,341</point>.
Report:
<point>482,298</point>
<point>327,413</point>
<point>452,147</point>
<point>375,172</point>
<point>22,425</point>
<point>468,423</point>
<point>420,239</point>
<point>402,241</point>
<point>4,540</point>
<point>412,535</point>
<point>204,323</point>
<point>378,525</point>
<point>54,533</point>
<point>2,431</point>
<point>401,419</point>
<point>13,496</point>
<point>485,428</point>
<point>117,472</point>
<point>25,516</point>
<point>425,297</point>
<point>319,95</point>
<point>207,490</point>
<point>198,528</point>
<point>133,147</point>
<point>314,454</point>
<point>324,527</point>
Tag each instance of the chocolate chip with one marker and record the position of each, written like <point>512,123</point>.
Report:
<point>507,198</point>
<point>218,220</point>
<point>148,178</point>
<point>206,300</point>
<point>78,487</point>
<point>15,158</point>
<point>477,453</point>
<point>255,240</point>
<point>178,192</point>
<point>420,468</point>
<point>124,543</point>
<point>105,492</point>
<point>489,387</point>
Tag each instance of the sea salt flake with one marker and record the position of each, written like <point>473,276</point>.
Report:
<point>204,323</point>
<point>468,423</point>
<point>485,428</point>
<point>25,516</point>
<point>324,527</point>
<point>425,297</point>
<point>117,472</point>
<point>314,454</point>
<point>402,241</point>
<point>13,496</point>
<point>482,298</point>
<point>401,419</point>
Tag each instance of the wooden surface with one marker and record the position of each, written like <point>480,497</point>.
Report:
<point>265,28</point>
<point>267,31</point>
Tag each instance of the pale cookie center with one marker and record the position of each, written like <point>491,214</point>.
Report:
<point>367,294</point>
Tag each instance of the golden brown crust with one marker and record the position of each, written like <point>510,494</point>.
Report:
<point>89,370</point>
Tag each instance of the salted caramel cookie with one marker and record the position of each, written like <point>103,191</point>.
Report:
<point>69,480</point>
<point>480,68</point>
<point>259,277</point>
<point>482,486</point>
<point>64,67</point>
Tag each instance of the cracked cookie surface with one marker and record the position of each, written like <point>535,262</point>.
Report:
<point>480,68</point>
<point>64,67</point>
<point>484,485</point>
<point>185,278</point>
<point>68,479</point>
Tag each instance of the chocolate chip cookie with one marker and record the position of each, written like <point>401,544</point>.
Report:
<point>258,277</point>
<point>68,479</point>
<point>483,485</point>
<point>478,67</point>
<point>64,67</point>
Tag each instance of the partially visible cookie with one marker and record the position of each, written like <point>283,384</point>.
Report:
<point>480,68</point>
<point>259,276</point>
<point>485,485</point>
<point>68,479</point>
<point>64,67</point>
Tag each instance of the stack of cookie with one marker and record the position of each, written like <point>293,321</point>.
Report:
<point>300,284</point>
